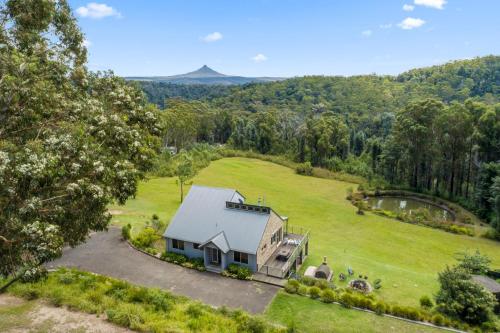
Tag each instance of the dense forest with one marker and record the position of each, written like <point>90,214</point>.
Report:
<point>158,92</point>
<point>433,130</point>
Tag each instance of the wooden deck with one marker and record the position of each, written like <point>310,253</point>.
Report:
<point>276,266</point>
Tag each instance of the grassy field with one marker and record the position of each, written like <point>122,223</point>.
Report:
<point>406,257</point>
<point>313,316</point>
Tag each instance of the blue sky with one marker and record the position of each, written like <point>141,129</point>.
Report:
<point>285,37</point>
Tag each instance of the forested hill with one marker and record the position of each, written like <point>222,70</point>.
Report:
<point>458,80</point>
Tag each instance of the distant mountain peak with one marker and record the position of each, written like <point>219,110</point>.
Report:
<point>205,71</point>
<point>205,75</point>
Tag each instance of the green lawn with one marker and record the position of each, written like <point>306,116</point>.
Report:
<point>406,257</point>
<point>314,316</point>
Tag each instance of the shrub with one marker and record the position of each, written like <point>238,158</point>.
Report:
<point>328,296</point>
<point>292,286</point>
<point>349,193</point>
<point>308,281</point>
<point>438,320</point>
<point>426,302</point>
<point>346,299</point>
<point>240,272</point>
<point>302,290</point>
<point>145,238</point>
<point>157,224</point>
<point>379,308</point>
<point>305,169</point>
<point>175,258</point>
<point>126,231</point>
<point>314,292</point>
<point>256,325</point>
<point>321,284</point>
<point>377,284</point>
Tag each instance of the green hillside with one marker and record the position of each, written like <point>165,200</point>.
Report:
<point>406,257</point>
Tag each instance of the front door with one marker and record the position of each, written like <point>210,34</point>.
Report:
<point>213,256</point>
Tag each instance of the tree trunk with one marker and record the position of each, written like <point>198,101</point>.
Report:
<point>452,177</point>
<point>468,173</point>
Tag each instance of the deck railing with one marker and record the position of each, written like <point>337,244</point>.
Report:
<point>280,272</point>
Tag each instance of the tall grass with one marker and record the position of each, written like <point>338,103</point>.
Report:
<point>137,308</point>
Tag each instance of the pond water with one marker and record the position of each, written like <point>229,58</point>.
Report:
<point>407,204</point>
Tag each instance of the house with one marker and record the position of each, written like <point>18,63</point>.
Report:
<point>217,225</point>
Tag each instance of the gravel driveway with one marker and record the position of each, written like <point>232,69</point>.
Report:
<point>105,253</point>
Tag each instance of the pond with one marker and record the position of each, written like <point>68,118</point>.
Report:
<point>396,204</point>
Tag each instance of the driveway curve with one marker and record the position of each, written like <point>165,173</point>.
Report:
<point>105,253</point>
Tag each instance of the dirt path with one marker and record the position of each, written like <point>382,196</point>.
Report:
<point>20,316</point>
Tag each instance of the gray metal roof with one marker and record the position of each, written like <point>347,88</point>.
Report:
<point>220,241</point>
<point>203,216</point>
<point>488,283</point>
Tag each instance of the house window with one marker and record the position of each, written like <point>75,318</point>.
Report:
<point>178,244</point>
<point>196,246</point>
<point>240,257</point>
<point>277,236</point>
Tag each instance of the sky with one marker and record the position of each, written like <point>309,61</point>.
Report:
<point>284,38</point>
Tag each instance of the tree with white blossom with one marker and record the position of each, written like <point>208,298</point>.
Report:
<point>71,141</point>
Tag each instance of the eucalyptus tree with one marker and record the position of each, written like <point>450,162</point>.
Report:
<point>71,142</point>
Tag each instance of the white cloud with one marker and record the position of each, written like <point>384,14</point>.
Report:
<point>411,23</point>
<point>87,43</point>
<point>213,37</point>
<point>259,58</point>
<point>438,4</point>
<point>386,26</point>
<point>97,11</point>
<point>408,8</point>
<point>367,33</point>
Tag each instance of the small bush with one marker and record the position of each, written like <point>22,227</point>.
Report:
<point>292,286</point>
<point>302,290</point>
<point>426,302</point>
<point>380,308</point>
<point>145,238</point>
<point>314,292</point>
<point>377,284</point>
<point>174,258</point>
<point>308,281</point>
<point>321,284</point>
<point>305,169</point>
<point>438,320</point>
<point>126,231</point>
<point>241,272</point>
<point>328,296</point>
<point>346,299</point>
<point>256,325</point>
